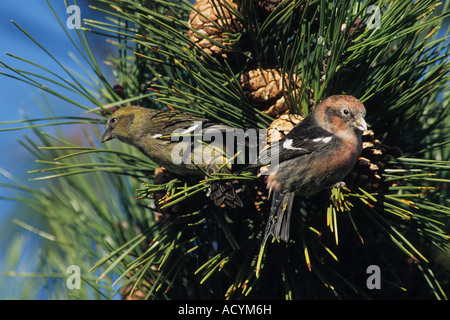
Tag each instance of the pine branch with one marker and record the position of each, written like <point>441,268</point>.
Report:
<point>102,203</point>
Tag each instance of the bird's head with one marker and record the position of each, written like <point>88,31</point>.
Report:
<point>341,114</point>
<point>120,124</point>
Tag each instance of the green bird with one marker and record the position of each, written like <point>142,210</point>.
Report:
<point>174,139</point>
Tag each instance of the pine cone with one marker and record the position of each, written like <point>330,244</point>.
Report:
<point>281,126</point>
<point>366,173</point>
<point>212,19</point>
<point>267,90</point>
<point>281,105</point>
<point>278,108</point>
<point>262,86</point>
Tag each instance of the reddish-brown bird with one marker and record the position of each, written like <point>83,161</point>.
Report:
<point>316,154</point>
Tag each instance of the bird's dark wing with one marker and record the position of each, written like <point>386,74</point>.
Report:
<point>304,138</point>
<point>164,123</point>
<point>190,124</point>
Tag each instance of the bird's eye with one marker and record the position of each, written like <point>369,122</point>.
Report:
<point>113,120</point>
<point>345,111</point>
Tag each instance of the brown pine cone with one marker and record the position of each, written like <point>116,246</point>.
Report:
<point>281,106</point>
<point>281,126</point>
<point>262,86</point>
<point>212,19</point>
<point>267,90</point>
<point>366,173</point>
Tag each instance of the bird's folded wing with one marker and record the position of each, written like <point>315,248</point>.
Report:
<point>303,139</point>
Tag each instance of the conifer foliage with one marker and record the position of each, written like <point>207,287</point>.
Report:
<point>139,231</point>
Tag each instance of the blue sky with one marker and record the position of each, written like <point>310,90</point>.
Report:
<point>17,97</point>
<point>20,98</point>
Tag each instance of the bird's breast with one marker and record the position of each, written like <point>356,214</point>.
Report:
<point>311,173</point>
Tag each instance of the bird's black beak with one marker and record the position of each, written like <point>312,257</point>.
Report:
<point>108,135</point>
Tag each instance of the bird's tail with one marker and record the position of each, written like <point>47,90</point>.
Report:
<point>280,216</point>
